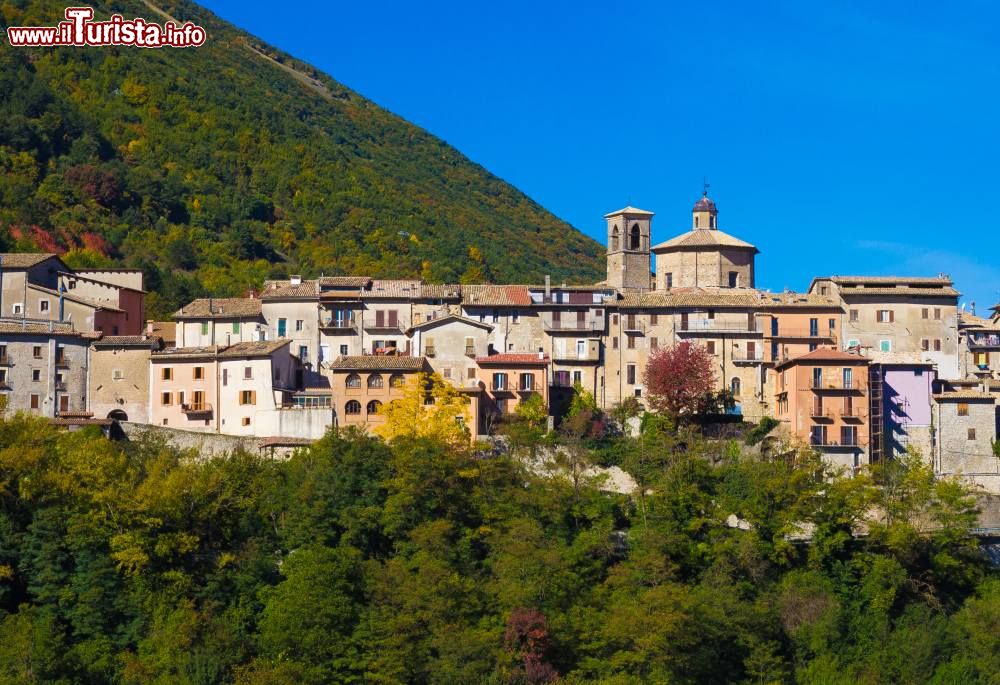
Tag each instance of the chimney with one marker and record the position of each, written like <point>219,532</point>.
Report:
<point>296,280</point>
<point>548,288</point>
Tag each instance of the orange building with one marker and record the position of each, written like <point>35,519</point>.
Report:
<point>822,397</point>
<point>509,379</point>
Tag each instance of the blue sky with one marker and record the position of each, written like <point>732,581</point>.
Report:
<point>839,138</point>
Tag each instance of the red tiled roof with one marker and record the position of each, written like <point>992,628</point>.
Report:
<point>514,358</point>
<point>827,355</point>
<point>496,295</point>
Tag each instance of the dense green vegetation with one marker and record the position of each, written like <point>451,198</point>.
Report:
<point>415,562</point>
<point>216,167</point>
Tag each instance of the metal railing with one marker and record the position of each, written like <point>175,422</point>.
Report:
<point>827,384</point>
<point>802,333</point>
<point>572,323</point>
<point>716,326</point>
<point>196,408</point>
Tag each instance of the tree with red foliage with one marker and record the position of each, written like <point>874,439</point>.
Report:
<point>527,638</point>
<point>678,379</point>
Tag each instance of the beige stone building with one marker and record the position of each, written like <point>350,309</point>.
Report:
<point>451,344</point>
<point>629,231</point>
<point>899,314</point>
<point>43,368</point>
<point>290,310</point>
<point>705,257</point>
<point>979,344</point>
<point>967,421</point>
<point>119,377</point>
<point>220,321</point>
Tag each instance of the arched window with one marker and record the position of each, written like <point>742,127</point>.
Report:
<point>373,406</point>
<point>734,387</point>
<point>354,381</point>
<point>696,222</point>
<point>635,241</point>
<point>711,222</point>
<point>396,380</point>
<point>614,238</point>
<point>375,380</point>
<point>352,407</point>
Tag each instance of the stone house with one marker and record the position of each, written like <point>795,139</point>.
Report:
<point>967,426</point>
<point>119,377</point>
<point>43,368</point>
<point>220,321</point>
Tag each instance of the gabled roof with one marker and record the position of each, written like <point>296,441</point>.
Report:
<point>23,260</point>
<point>374,362</point>
<point>703,237</point>
<point>960,395</point>
<point>344,281</point>
<point>628,210</point>
<point>434,291</point>
<point>451,318</point>
<point>822,355</point>
<point>243,350</point>
<point>392,289</point>
<point>514,358</point>
<point>220,308</point>
<point>498,295</point>
<point>691,297</point>
<point>279,290</point>
<point>881,286</point>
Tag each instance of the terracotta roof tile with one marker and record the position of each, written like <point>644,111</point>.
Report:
<point>955,395</point>
<point>433,291</point>
<point>392,289</point>
<point>497,295</point>
<point>151,342</point>
<point>826,355</point>
<point>36,327</point>
<point>876,280</point>
<point>702,237</point>
<point>514,358</point>
<point>276,290</point>
<point>262,348</point>
<point>220,308</point>
<point>692,297</point>
<point>376,362</point>
<point>344,281</point>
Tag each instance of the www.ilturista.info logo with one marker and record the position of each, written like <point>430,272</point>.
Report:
<point>79,29</point>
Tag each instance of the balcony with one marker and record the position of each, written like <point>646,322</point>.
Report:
<point>526,390</point>
<point>853,414</point>
<point>717,326</point>
<point>813,442</point>
<point>633,327</point>
<point>62,363</point>
<point>590,354</point>
<point>195,410</point>
<point>826,384</point>
<point>500,388</point>
<point>429,351</point>
<point>570,323</point>
<point>819,412</point>
<point>744,357</point>
<point>803,334</point>
<point>985,342</point>
<point>470,351</point>
<point>339,327</point>
<point>60,386</point>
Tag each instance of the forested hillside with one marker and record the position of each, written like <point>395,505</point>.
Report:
<point>358,561</point>
<point>213,168</point>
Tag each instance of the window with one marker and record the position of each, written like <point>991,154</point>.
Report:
<point>822,290</point>
<point>654,344</point>
<point>924,313</point>
<point>43,306</point>
<point>303,352</point>
<point>353,381</point>
<point>36,351</point>
<point>248,397</point>
<point>577,377</point>
<point>496,316</point>
<point>832,323</point>
<point>248,373</point>
<point>669,281</point>
<point>446,372</point>
<point>853,342</point>
<point>470,373</point>
<point>282,327</point>
<point>614,343</point>
<point>963,409</point>
<point>470,347</point>
<point>848,378</point>
<point>375,380</point>
<point>167,374</point>
<point>735,386</point>
<point>817,381</point>
<point>630,374</point>
<point>813,327</point>
<point>733,279</point>
<point>614,238</point>
<point>198,373</point>
<point>614,319</point>
<point>429,347</point>
<point>885,316</point>
<point>36,375</point>
<point>18,308</point>
<point>166,399</point>
<point>937,313</point>
<point>117,375</point>
<point>515,316</point>
<point>225,377</point>
<point>854,315</point>
<point>653,319</point>
<point>352,407</point>
<point>972,434</point>
<point>527,382</point>
<point>635,239</point>
<point>499,381</point>
<point>198,400</point>
<point>343,350</point>
<point>631,342</point>
<point>298,324</point>
<point>849,435</point>
<point>204,328</point>
<point>937,345</point>
<point>396,380</point>
<point>925,344</point>
<point>885,345</point>
<point>373,407</point>
<point>710,347</point>
<point>236,327</point>
<point>245,421</point>
<point>35,401</point>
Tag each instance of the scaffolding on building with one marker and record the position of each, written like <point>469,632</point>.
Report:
<point>876,412</point>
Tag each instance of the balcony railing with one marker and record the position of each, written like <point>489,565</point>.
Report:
<point>826,384</point>
<point>60,386</point>
<point>853,413</point>
<point>470,351</point>
<point>803,334</point>
<point>635,327</point>
<point>499,388</point>
<point>832,444</point>
<point>821,413</point>
<point>374,327</point>
<point>196,408</point>
<point>342,326</point>
<point>748,357</point>
<point>716,326</point>
<point>571,323</point>
<point>62,363</point>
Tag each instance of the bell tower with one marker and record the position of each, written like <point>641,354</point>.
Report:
<point>628,248</point>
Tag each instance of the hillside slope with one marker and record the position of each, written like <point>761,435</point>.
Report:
<point>216,167</point>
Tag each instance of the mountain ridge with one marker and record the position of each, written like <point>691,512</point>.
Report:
<point>218,167</point>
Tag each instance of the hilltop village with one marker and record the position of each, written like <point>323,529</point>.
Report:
<point>859,367</point>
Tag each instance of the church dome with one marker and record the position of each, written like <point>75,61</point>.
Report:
<point>704,205</point>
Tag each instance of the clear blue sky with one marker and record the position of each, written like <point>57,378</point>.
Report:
<point>852,138</point>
